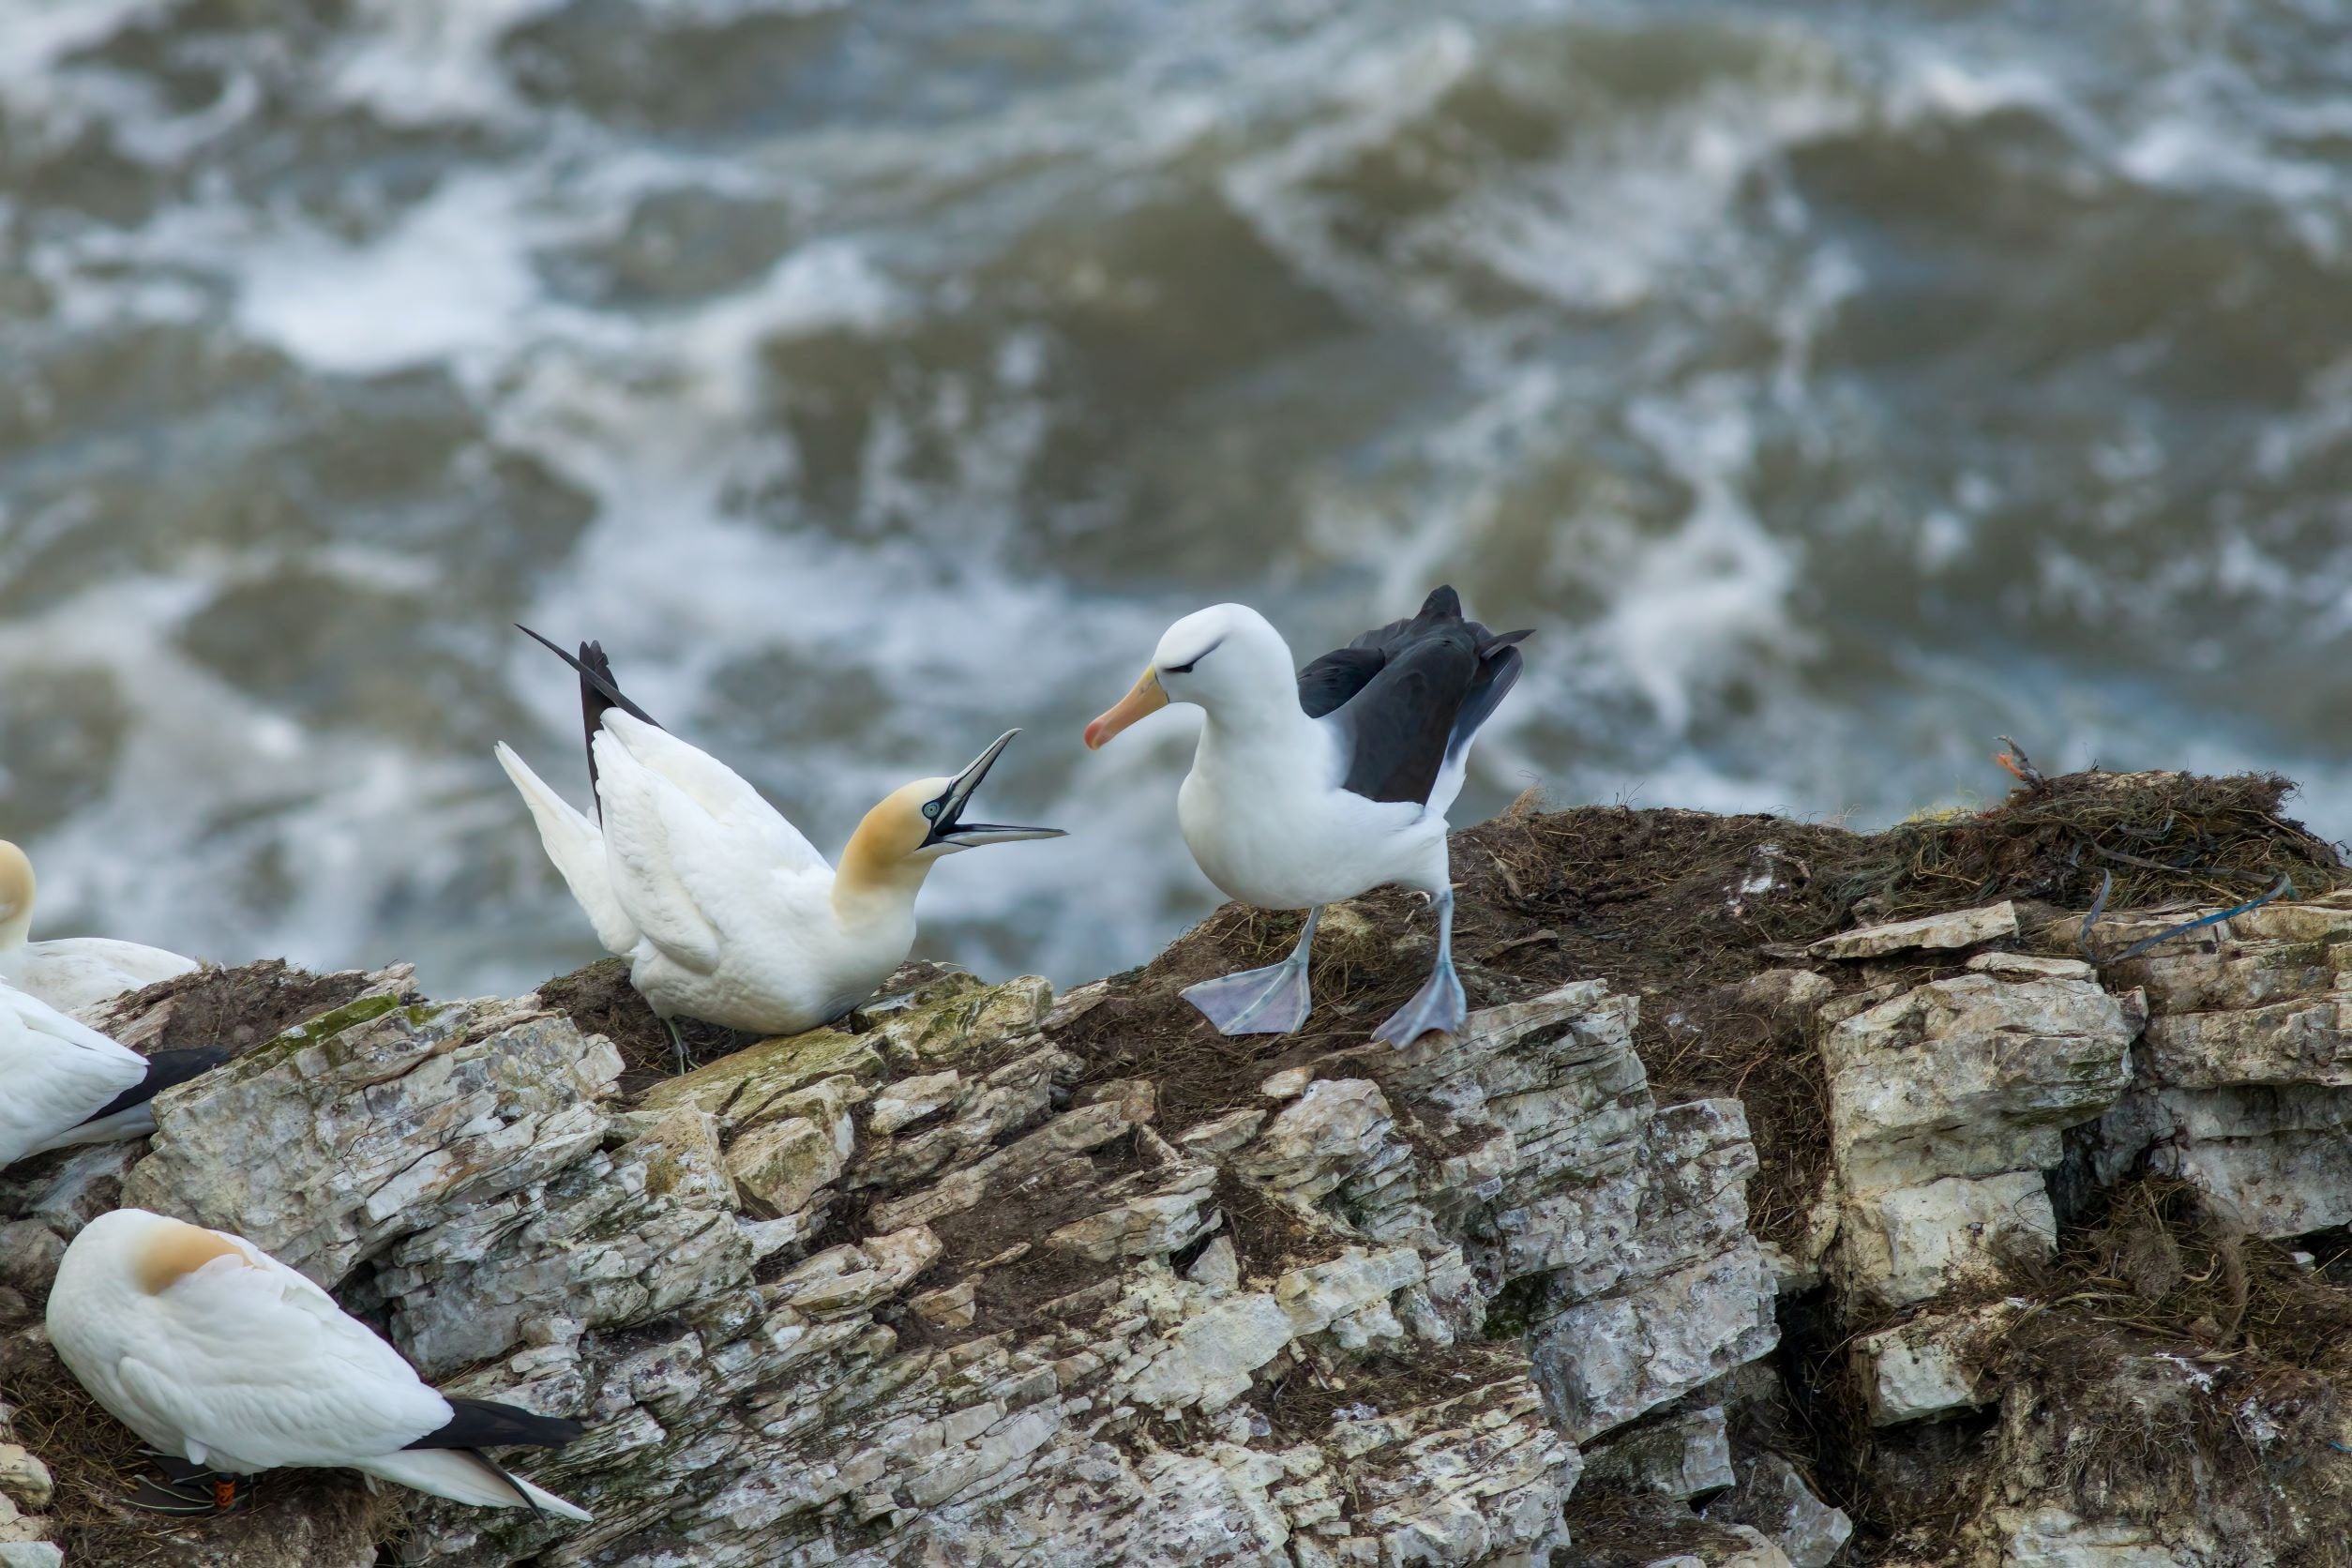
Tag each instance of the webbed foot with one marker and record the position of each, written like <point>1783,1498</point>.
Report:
<point>1270,1000</point>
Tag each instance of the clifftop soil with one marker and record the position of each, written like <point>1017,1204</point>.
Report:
<point>1974,1240</point>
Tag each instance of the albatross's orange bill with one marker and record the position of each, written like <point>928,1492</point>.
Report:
<point>1146,698</point>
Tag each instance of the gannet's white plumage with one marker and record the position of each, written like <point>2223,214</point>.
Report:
<point>55,1074</point>
<point>724,910</point>
<point>71,973</point>
<point>211,1350</point>
<point>1323,783</point>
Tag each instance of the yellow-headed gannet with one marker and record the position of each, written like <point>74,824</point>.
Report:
<point>1326,783</point>
<point>71,973</point>
<point>724,911</point>
<point>213,1351</point>
<point>62,1082</point>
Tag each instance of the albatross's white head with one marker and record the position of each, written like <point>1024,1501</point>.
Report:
<point>1227,659</point>
<point>923,821</point>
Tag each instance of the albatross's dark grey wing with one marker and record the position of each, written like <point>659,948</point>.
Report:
<point>1410,695</point>
<point>600,694</point>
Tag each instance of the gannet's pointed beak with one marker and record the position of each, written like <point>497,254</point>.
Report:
<point>1146,696</point>
<point>947,824</point>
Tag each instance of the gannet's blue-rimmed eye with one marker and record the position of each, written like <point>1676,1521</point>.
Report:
<point>931,808</point>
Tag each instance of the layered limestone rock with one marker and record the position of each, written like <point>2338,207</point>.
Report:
<point>2242,1084</point>
<point>1947,1102</point>
<point>927,1285</point>
<point>985,1274</point>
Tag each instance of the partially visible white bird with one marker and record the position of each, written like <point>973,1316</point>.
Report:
<point>211,1350</point>
<point>71,973</point>
<point>63,1082</point>
<point>725,912</point>
<point>1326,783</point>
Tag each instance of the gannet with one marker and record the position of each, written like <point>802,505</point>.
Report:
<point>71,973</point>
<point>63,1082</point>
<point>213,1351</point>
<point>1324,784</point>
<point>724,911</point>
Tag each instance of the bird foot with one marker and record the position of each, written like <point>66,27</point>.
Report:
<point>189,1490</point>
<point>1439,1007</point>
<point>1270,1000</point>
<point>686,1057</point>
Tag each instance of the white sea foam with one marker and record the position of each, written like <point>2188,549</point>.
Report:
<point>1611,339</point>
<point>450,278</point>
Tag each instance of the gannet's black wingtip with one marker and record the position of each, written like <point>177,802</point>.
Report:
<point>166,1069</point>
<point>489,1424</point>
<point>597,674</point>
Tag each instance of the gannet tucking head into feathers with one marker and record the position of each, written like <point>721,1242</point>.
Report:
<point>214,1351</point>
<point>724,910</point>
<point>1326,783</point>
<point>68,972</point>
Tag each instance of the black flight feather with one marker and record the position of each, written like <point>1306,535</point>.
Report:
<point>487,1424</point>
<point>598,695</point>
<point>164,1069</point>
<point>478,1423</point>
<point>1410,695</point>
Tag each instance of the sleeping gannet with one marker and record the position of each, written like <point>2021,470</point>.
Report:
<point>724,911</point>
<point>71,973</point>
<point>1324,784</point>
<point>62,1082</point>
<point>213,1351</point>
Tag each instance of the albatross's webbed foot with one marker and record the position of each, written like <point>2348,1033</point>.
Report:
<point>1440,1003</point>
<point>1270,1001</point>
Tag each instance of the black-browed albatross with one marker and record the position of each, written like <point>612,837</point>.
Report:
<point>1326,783</point>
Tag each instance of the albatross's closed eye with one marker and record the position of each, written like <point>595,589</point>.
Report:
<point>1186,668</point>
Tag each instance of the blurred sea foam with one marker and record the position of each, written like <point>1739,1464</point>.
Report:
<point>1830,386</point>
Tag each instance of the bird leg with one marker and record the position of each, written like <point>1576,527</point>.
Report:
<point>685,1060</point>
<point>182,1488</point>
<point>1438,1004</point>
<point>1270,1000</point>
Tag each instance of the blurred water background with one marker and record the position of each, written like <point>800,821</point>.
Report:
<point>1832,385</point>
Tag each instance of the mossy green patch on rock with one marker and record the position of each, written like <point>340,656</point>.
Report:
<point>745,1088</point>
<point>963,1025</point>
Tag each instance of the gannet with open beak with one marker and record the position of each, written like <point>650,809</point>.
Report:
<point>213,1351</point>
<point>71,973</point>
<point>1326,783</point>
<point>724,911</point>
<point>63,1082</point>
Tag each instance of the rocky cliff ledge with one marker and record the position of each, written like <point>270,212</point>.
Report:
<point>1793,1196</point>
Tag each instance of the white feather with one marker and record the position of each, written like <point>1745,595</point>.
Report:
<point>1262,810</point>
<point>55,1073</point>
<point>240,1364</point>
<point>724,908</point>
<point>577,847</point>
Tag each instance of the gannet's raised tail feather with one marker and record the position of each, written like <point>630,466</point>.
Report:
<point>464,1476</point>
<point>575,845</point>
